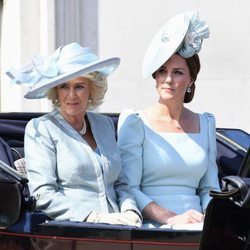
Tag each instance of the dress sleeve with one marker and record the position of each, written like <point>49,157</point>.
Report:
<point>125,198</point>
<point>130,142</point>
<point>210,180</point>
<point>40,160</point>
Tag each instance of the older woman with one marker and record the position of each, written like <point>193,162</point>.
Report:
<point>73,163</point>
<point>169,151</point>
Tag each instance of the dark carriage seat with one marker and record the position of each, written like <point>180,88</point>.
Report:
<point>228,161</point>
<point>229,156</point>
<point>14,194</point>
<point>17,207</point>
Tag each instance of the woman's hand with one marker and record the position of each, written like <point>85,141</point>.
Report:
<point>134,218</point>
<point>189,217</point>
<point>156,213</point>
<point>129,218</point>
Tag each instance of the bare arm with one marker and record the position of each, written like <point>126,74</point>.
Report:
<point>156,213</point>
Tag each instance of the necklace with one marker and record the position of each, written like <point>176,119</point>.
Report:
<point>84,128</point>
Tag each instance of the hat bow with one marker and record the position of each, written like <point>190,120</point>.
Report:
<point>62,61</point>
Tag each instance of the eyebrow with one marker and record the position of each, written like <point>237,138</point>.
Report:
<point>83,83</point>
<point>179,69</point>
<point>163,67</point>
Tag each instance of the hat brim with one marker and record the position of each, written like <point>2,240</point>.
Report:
<point>165,43</point>
<point>40,89</point>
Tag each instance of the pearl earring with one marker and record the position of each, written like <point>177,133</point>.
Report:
<point>189,90</point>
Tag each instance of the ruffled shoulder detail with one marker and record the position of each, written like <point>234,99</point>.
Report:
<point>210,119</point>
<point>129,116</point>
<point>211,133</point>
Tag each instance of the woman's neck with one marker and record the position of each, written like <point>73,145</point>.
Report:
<point>173,112</point>
<point>76,121</point>
<point>166,117</point>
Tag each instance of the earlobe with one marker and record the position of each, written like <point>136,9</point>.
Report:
<point>190,84</point>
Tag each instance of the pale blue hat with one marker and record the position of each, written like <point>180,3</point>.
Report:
<point>67,62</point>
<point>182,34</point>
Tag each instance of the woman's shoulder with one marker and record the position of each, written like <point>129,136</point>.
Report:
<point>38,125</point>
<point>208,115</point>
<point>208,121</point>
<point>210,118</point>
<point>98,117</point>
<point>40,119</point>
<point>128,112</point>
<point>129,116</point>
<point>130,126</point>
<point>101,120</point>
<point>44,121</point>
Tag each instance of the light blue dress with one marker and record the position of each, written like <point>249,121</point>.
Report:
<point>68,178</point>
<point>175,170</point>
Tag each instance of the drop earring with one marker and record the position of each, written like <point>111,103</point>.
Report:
<point>188,90</point>
<point>56,102</point>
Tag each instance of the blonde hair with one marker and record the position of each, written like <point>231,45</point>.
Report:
<point>98,89</point>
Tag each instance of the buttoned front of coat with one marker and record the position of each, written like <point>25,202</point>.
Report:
<point>68,178</point>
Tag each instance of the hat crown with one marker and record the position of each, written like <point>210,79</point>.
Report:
<point>75,54</point>
<point>182,34</point>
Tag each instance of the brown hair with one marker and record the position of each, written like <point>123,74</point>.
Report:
<point>194,66</point>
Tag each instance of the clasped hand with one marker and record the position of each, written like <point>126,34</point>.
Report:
<point>190,216</point>
<point>129,218</point>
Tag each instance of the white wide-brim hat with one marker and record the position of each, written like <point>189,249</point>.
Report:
<point>183,34</point>
<point>67,62</point>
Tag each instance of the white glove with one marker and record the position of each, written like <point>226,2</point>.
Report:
<point>133,217</point>
<point>129,218</point>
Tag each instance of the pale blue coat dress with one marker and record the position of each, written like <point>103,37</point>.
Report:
<point>68,178</point>
<point>175,170</point>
